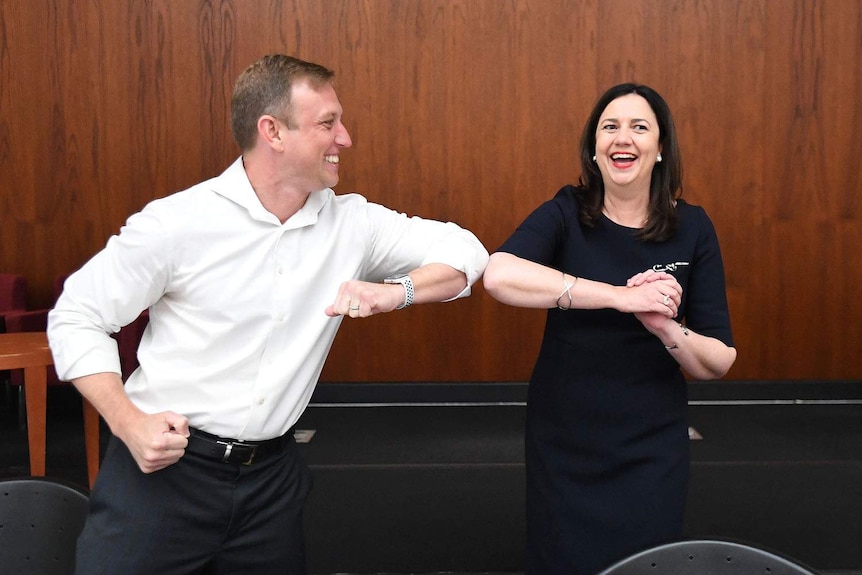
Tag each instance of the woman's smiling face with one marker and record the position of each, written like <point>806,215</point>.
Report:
<point>627,142</point>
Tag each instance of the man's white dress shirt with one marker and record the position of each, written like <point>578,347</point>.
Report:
<point>237,335</point>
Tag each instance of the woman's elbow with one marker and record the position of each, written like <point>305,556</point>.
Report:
<point>719,368</point>
<point>730,359</point>
<point>493,279</point>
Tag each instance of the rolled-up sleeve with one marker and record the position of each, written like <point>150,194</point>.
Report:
<point>402,243</point>
<point>107,293</point>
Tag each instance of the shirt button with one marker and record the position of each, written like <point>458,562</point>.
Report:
<point>261,401</point>
<point>280,317</point>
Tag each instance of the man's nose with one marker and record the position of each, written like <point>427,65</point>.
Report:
<point>343,137</point>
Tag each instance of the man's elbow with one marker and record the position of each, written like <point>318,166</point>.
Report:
<point>458,287</point>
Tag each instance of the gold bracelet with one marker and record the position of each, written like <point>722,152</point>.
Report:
<point>566,291</point>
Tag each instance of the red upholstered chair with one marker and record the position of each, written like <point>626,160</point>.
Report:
<point>13,296</point>
<point>128,340</point>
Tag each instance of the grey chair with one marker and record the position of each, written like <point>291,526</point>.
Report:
<point>707,557</point>
<point>40,520</point>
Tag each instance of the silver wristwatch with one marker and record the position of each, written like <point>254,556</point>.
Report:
<point>405,281</point>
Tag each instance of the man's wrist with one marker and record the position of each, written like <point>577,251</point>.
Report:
<point>407,284</point>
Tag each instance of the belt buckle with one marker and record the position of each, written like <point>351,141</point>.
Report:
<point>229,448</point>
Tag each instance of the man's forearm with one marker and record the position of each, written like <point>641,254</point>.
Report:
<point>437,282</point>
<point>105,391</point>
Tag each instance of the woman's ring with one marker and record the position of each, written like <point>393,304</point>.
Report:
<point>353,308</point>
<point>666,299</point>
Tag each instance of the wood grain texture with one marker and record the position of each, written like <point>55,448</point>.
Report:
<point>462,110</point>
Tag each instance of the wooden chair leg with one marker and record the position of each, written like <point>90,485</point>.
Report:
<point>91,440</point>
<point>36,398</point>
<point>21,401</point>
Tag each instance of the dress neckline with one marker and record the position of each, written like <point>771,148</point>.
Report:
<point>615,224</point>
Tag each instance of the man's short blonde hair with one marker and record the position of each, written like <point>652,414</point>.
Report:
<point>265,88</point>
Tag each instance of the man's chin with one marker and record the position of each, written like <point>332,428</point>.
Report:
<point>324,186</point>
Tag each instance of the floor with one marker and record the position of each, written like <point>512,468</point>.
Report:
<point>429,478</point>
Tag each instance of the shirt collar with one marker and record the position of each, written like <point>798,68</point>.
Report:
<point>234,185</point>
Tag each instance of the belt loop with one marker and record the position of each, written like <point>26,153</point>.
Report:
<point>227,449</point>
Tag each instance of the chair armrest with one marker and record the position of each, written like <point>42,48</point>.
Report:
<point>26,321</point>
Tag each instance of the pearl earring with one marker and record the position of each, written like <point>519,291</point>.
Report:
<point>594,158</point>
<point>658,158</point>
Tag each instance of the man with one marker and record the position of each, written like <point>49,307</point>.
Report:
<point>247,277</point>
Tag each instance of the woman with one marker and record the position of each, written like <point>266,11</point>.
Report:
<point>634,282</point>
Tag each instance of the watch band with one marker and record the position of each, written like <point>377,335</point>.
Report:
<point>408,288</point>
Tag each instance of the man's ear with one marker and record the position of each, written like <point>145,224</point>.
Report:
<point>269,130</point>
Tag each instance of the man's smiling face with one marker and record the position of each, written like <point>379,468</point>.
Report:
<point>313,136</point>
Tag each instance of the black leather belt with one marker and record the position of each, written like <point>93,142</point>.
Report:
<point>235,451</point>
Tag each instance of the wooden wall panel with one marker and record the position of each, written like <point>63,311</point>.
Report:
<point>468,110</point>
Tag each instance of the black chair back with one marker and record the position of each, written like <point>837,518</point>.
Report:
<point>707,557</point>
<point>40,520</point>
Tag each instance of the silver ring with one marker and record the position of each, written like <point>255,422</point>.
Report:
<point>353,308</point>
<point>666,299</point>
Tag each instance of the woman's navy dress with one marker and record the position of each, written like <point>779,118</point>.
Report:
<point>607,448</point>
